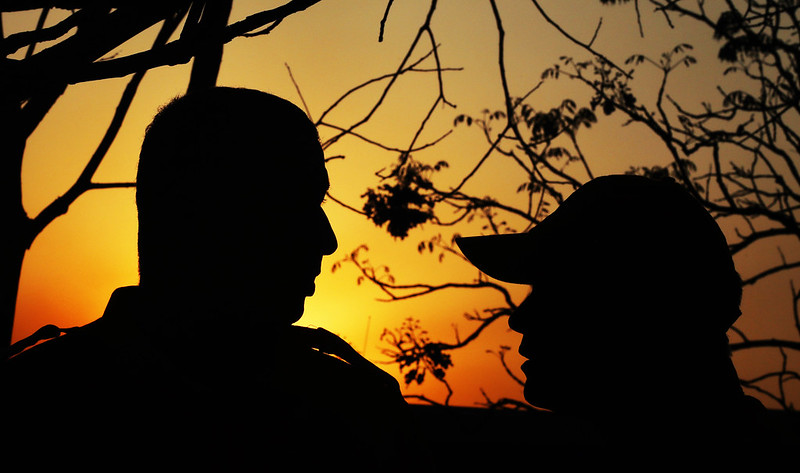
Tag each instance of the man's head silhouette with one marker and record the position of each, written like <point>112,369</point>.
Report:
<point>229,189</point>
<point>202,362</point>
<point>633,290</point>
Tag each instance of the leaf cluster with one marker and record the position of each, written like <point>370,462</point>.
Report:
<point>415,354</point>
<point>740,40</point>
<point>405,200</point>
<point>545,126</point>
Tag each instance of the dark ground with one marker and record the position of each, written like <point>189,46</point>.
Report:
<point>464,427</point>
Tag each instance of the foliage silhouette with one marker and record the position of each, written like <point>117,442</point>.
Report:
<point>404,204</point>
<point>738,156</point>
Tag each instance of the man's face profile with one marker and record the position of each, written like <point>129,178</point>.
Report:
<point>560,324</point>
<point>543,346</point>
<point>295,234</point>
<point>230,187</point>
<point>273,230</point>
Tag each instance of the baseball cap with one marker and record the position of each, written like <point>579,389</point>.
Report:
<point>619,227</point>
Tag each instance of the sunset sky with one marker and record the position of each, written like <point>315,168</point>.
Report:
<point>77,262</point>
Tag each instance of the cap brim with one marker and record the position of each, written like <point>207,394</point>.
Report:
<point>502,257</point>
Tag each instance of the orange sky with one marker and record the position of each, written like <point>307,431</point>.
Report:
<point>75,264</point>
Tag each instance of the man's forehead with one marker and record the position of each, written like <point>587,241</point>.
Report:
<point>296,175</point>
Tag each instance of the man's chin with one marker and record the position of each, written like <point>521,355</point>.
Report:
<point>290,311</point>
<point>538,397</point>
<point>271,313</point>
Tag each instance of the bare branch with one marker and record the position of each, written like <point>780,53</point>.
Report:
<point>585,46</point>
<point>299,93</point>
<point>383,20</point>
<point>84,182</point>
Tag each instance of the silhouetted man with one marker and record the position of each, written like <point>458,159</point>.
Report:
<point>200,362</point>
<point>633,291</point>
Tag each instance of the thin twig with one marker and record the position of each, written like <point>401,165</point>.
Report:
<point>583,45</point>
<point>299,93</point>
<point>383,20</point>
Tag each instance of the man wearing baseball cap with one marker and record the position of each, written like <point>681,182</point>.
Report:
<point>633,291</point>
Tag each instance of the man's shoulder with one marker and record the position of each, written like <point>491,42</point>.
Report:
<point>322,368</point>
<point>76,349</point>
<point>332,359</point>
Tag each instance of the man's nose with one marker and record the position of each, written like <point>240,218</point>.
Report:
<point>519,320</point>
<point>329,242</point>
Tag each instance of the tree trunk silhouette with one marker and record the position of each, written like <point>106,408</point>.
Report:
<point>207,62</point>
<point>12,214</point>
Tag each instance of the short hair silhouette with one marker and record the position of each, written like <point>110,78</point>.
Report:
<point>633,291</point>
